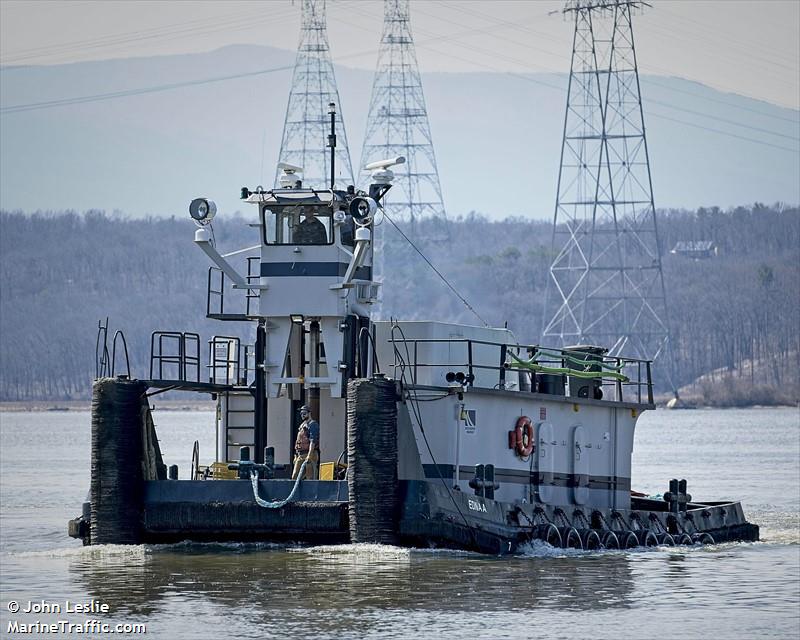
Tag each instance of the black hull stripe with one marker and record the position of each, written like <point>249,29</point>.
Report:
<point>517,476</point>
<point>330,269</point>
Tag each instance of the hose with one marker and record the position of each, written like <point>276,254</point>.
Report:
<point>561,355</point>
<point>589,375</point>
<point>278,503</point>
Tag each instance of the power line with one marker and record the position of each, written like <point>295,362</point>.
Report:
<point>656,115</point>
<point>713,31</point>
<point>528,31</point>
<point>493,52</point>
<point>652,80</point>
<point>231,22</point>
<point>726,133</point>
<point>177,85</point>
<point>135,92</point>
<point>715,85</point>
<point>435,38</point>
<point>677,108</point>
<point>115,39</point>
<point>732,122</point>
<point>748,56</point>
<point>513,24</point>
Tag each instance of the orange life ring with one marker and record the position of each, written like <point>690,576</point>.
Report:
<point>524,439</point>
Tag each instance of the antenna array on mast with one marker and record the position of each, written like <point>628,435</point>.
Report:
<point>307,124</point>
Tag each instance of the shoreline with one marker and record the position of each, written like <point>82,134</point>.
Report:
<point>64,406</point>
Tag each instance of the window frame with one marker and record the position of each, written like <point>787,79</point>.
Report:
<point>270,209</point>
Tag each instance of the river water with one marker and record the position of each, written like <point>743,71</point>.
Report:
<point>363,591</point>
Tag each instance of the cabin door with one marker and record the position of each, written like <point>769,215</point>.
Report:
<point>545,458</point>
<point>580,466</point>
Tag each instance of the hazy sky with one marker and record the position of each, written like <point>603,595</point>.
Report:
<point>747,47</point>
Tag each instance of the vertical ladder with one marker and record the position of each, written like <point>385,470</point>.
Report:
<point>235,424</point>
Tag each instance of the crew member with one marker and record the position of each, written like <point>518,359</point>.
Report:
<point>306,447</point>
<point>310,230</point>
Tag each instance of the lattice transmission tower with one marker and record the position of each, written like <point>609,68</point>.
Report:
<point>398,123</point>
<point>307,124</point>
<point>606,285</point>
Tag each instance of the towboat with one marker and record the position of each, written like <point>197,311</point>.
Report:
<point>430,433</point>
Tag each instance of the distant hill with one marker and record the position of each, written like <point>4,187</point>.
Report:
<point>497,136</point>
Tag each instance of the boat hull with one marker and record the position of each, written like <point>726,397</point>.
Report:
<point>430,514</point>
<point>433,514</point>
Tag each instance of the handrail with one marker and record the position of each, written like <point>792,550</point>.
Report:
<point>216,285</point>
<point>537,347</point>
<point>218,293</point>
<point>253,277</point>
<point>105,363</point>
<point>183,360</point>
<point>101,359</point>
<point>596,369</point>
<point>189,360</point>
<point>119,334</point>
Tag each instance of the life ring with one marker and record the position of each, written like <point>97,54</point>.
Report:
<point>524,439</point>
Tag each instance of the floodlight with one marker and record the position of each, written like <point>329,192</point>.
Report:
<point>202,210</point>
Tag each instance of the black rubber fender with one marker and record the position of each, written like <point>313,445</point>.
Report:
<point>627,540</point>
<point>570,538</point>
<point>647,538</point>
<point>665,540</point>
<point>590,539</point>
<point>684,539</point>
<point>703,538</point>
<point>372,457</point>
<point>116,488</point>
<point>610,540</point>
<point>548,533</point>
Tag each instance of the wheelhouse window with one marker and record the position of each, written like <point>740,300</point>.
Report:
<point>297,225</point>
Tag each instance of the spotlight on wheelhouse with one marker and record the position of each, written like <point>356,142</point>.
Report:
<point>202,210</point>
<point>362,209</point>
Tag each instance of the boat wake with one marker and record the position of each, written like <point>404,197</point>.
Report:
<point>96,552</point>
<point>383,551</point>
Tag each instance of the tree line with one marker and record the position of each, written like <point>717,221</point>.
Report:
<point>733,315</point>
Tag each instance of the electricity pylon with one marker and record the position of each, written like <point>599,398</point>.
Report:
<point>606,281</point>
<point>307,124</point>
<point>398,124</point>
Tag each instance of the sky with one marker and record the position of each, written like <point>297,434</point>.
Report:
<point>747,47</point>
